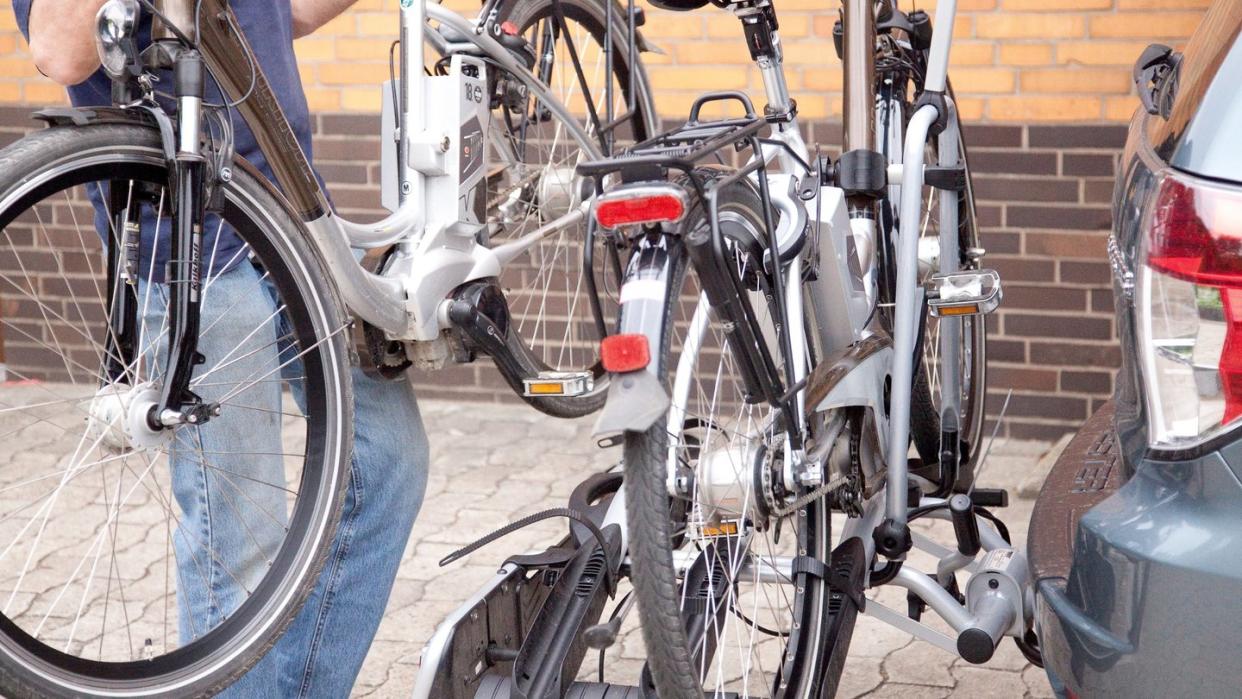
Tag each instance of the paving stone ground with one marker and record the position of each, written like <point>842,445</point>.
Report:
<point>492,464</point>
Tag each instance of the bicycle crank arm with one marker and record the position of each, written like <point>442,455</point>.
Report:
<point>479,310</point>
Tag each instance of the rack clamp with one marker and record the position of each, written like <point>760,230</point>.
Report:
<point>859,172</point>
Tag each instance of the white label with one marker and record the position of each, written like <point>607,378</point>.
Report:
<point>642,290</point>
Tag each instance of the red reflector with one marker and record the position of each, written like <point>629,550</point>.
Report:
<point>640,208</point>
<point>1196,234</point>
<point>622,353</point>
<point>509,28</point>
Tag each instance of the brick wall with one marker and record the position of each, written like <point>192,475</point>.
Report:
<point>1044,86</point>
<point>1013,60</point>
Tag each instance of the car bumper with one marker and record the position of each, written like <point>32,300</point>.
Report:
<point>1139,585</point>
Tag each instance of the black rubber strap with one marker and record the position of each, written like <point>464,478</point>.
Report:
<point>809,566</point>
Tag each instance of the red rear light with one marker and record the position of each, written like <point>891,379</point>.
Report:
<point>1189,311</point>
<point>626,352</point>
<point>640,204</point>
<point>1196,233</point>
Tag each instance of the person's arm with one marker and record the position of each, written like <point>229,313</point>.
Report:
<point>309,15</point>
<point>62,38</point>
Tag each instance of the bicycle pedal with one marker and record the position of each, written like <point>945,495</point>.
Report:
<point>976,292</point>
<point>559,383</point>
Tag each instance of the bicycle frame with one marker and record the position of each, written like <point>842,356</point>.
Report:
<point>404,306</point>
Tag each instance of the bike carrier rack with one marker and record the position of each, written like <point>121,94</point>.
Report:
<point>522,634</point>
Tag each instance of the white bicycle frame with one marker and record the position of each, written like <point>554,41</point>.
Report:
<point>438,253</point>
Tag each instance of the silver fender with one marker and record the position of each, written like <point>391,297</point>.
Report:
<point>637,399</point>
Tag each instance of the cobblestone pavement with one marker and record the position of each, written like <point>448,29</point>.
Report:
<point>492,464</point>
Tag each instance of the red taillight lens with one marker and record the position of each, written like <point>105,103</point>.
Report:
<point>1189,306</point>
<point>1196,233</point>
<point>626,352</point>
<point>645,204</point>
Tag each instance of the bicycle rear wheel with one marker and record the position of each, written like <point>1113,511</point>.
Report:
<point>136,561</point>
<point>533,182</point>
<point>723,608</point>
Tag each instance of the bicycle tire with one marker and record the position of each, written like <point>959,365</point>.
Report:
<point>652,540</point>
<point>47,162</point>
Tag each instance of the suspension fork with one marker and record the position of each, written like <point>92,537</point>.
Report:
<point>184,275</point>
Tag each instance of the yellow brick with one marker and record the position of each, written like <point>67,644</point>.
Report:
<point>1029,26</point>
<point>982,80</point>
<point>1025,108</point>
<point>1025,54</point>
<point>1145,24</point>
<point>1049,5</point>
<point>708,53</point>
<point>353,73</point>
<point>703,79</point>
<point>1083,80</point>
<point>379,24</point>
<point>44,93</point>
<point>1120,108</point>
<point>10,91</point>
<point>673,25</point>
<point>1162,4</point>
<point>972,53</point>
<point>362,49</point>
<point>361,100</point>
<point>794,25</point>
<point>970,108</point>
<point>1100,53</point>
<point>725,26</point>
<point>344,24</point>
<point>321,100</point>
<point>315,49</point>
<point>823,78</point>
<point>18,68</point>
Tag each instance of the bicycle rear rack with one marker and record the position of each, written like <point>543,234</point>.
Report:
<point>682,150</point>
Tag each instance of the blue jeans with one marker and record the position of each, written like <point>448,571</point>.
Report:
<point>228,478</point>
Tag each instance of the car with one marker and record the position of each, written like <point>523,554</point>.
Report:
<point>1136,538</point>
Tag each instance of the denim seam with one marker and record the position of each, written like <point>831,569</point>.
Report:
<point>347,534</point>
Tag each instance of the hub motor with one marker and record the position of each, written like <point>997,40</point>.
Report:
<point>118,418</point>
<point>737,483</point>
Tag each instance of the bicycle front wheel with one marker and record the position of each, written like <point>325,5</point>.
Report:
<point>140,561</point>
<point>724,609</point>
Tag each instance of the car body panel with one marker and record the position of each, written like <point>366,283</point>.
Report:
<point>1140,581</point>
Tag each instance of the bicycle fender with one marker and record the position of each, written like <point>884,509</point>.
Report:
<point>148,117</point>
<point>637,399</point>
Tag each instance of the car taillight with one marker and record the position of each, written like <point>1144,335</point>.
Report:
<point>643,204</point>
<point>1189,305</point>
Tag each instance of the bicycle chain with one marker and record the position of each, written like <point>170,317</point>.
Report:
<point>811,497</point>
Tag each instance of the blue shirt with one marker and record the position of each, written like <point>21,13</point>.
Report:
<point>268,26</point>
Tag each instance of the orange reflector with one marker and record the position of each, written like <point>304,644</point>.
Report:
<point>724,529</point>
<point>959,310</point>
<point>535,388</point>
<point>640,205</point>
<point>626,352</point>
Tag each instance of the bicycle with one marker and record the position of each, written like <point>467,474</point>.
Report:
<point>106,332</point>
<point>788,332</point>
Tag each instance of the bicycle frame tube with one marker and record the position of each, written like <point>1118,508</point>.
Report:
<point>378,300</point>
<point>909,294</point>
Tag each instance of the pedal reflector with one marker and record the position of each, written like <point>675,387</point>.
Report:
<point>975,292</point>
<point>559,383</point>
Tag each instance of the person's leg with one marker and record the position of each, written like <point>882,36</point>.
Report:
<point>227,476</point>
<point>322,652</point>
